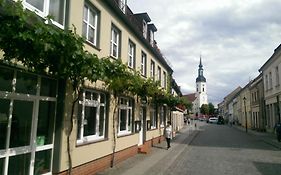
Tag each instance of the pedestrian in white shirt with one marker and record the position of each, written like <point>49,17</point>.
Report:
<point>168,134</point>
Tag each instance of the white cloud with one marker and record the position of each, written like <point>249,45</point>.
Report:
<point>235,38</point>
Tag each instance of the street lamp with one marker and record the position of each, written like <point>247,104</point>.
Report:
<point>246,123</point>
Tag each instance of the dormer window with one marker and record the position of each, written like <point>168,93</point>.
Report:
<point>151,37</point>
<point>144,29</point>
<point>44,8</point>
<point>122,5</point>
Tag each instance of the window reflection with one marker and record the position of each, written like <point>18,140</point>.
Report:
<point>48,87</point>
<point>4,118</point>
<point>19,164</point>
<point>45,123</point>
<point>42,162</point>
<point>21,123</point>
<point>26,83</point>
<point>6,77</point>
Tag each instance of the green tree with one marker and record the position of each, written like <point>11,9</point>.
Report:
<point>211,108</point>
<point>204,109</point>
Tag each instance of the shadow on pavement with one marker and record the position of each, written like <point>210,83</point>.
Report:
<point>268,168</point>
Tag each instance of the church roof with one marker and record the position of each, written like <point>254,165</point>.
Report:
<point>190,97</point>
<point>200,79</point>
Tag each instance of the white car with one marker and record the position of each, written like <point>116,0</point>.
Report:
<point>213,120</point>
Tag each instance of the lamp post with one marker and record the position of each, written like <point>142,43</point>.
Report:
<point>246,123</point>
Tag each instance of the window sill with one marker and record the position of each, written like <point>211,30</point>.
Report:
<point>88,142</point>
<point>92,45</point>
<point>119,135</point>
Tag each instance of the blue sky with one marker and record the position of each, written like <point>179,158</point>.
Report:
<point>234,38</point>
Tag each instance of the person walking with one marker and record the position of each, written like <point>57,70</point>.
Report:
<point>168,134</point>
<point>277,128</point>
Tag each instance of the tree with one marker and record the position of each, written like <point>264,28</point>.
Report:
<point>204,109</point>
<point>211,109</point>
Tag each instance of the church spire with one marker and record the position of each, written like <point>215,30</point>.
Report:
<point>200,77</point>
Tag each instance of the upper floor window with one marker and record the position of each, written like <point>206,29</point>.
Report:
<point>91,116</point>
<point>125,116</point>
<point>277,76</point>
<point>131,54</point>
<point>159,74</point>
<point>115,42</point>
<point>152,70</point>
<point>144,28</point>
<point>143,64</point>
<point>270,80</point>
<point>122,5</point>
<point>151,40</point>
<point>164,80</point>
<point>90,24</point>
<point>266,82</point>
<point>44,8</point>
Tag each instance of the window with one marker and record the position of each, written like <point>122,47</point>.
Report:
<point>270,80</point>
<point>144,28</point>
<point>122,5</point>
<point>152,70</point>
<point>115,42</point>
<point>164,80</point>
<point>153,117</point>
<point>91,116</point>
<point>277,76</point>
<point>143,64</point>
<point>131,54</point>
<point>44,8</point>
<point>125,116</point>
<point>27,116</point>
<point>162,115</point>
<point>159,74</point>
<point>266,82</point>
<point>151,37</point>
<point>90,24</point>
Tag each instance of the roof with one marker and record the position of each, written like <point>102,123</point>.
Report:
<point>190,97</point>
<point>277,50</point>
<point>201,79</point>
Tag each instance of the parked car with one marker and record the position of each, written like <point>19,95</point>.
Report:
<point>213,120</point>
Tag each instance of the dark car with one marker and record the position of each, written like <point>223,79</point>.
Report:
<point>220,120</point>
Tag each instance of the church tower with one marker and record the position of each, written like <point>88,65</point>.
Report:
<point>201,89</point>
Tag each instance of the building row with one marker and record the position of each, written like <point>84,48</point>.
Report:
<point>257,105</point>
<point>35,108</point>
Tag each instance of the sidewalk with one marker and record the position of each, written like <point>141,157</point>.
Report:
<point>158,158</point>
<point>269,138</point>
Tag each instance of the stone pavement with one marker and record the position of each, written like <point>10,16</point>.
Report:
<point>158,159</point>
<point>267,137</point>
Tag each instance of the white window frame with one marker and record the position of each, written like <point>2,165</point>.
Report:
<point>153,117</point>
<point>128,107</point>
<point>151,37</point>
<point>45,11</point>
<point>115,41</point>
<point>277,76</point>
<point>91,103</point>
<point>159,73</point>
<point>131,54</point>
<point>143,63</point>
<point>164,80</point>
<point>152,69</point>
<point>144,29</point>
<point>33,147</point>
<point>123,5</point>
<point>95,14</point>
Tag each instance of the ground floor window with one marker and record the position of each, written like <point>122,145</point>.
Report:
<point>125,115</point>
<point>153,116</point>
<point>91,116</point>
<point>27,114</point>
